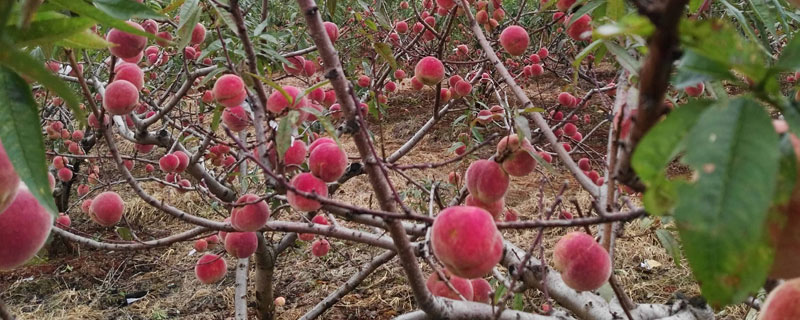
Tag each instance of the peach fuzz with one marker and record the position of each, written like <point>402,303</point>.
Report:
<point>200,245</point>
<point>320,247</point>
<point>515,40</point>
<point>241,244</point>
<point>121,98</point>
<point>277,102</point>
<point>24,227</point>
<point>583,263</point>
<point>439,288</point>
<point>429,71</point>
<point>327,162</point>
<point>229,90</point>
<point>519,161</point>
<point>306,182</point>
<point>107,208</point>
<point>250,217</point>
<point>466,241</point>
<point>126,45</point>
<point>210,268</point>
<point>486,181</point>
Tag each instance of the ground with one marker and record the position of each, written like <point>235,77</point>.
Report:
<point>73,282</point>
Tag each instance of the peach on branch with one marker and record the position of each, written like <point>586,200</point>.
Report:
<point>198,34</point>
<point>327,162</point>
<point>130,72</point>
<point>306,182</point>
<point>332,30</point>
<point>63,221</point>
<point>581,29</point>
<point>24,227</point>
<point>466,241</point>
<point>277,102</point>
<point>439,288</point>
<point>169,163</point>
<point>236,118</point>
<point>363,81</point>
<point>64,174</point>
<point>121,98</point>
<point>229,90</point>
<point>401,27</point>
<point>211,268</point>
<point>107,208</point>
<point>695,90</point>
<point>126,45</point>
<point>399,74</point>
<point>781,303</point>
<point>296,154</point>
<point>494,208</point>
<point>251,215</point>
<point>200,245</point>
<point>486,181</point>
<point>515,40</point>
<point>320,247</point>
<point>241,244</point>
<point>481,290</point>
<point>83,190</point>
<point>584,264</point>
<point>519,160</point>
<point>86,206</point>
<point>150,25</point>
<point>295,66</point>
<point>429,71</point>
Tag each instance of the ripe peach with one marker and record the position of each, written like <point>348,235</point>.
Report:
<point>584,164</point>
<point>439,288</point>
<point>515,40</point>
<point>126,45</point>
<point>319,220</point>
<point>462,49</point>
<point>241,244</point>
<point>280,301</point>
<point>494,208</point>
<point>77,135</point>
<point>83,190</point>
<point>236,118</point>
<point>317,95</point>
<point>563,5</point>
<point>107,208</point>
<point>183,160</point>
<point>454,178</point>
<point>327,162</point>
<point>320,247</point>
<point>200,245</point>
<point>429,70</point>
<point>482,17</point>
<point>566,99</point>
<point>64,174</point>
<point>305,236</point>
<point>332,30</point>
<point>59,162</point>
<point>695,90</point>
<point>150,25</point>
<point>581,29</point>
<point>570,129</point>
<point>330,98</point>
<point>363,81</point>
<point>252,216</point>
<point>416,84</point>
<point>445,95</point>
<point>277,102</point>
<point>229,90</point>
<point>63,221</point>
<point>781,304</point>
<point>486,181</point>
<point>481,290</point>
<point>169,163</point>
<point>86,206</point>
<point>24,227</point>
<point>296,154</point>
<point>295,66</point>
<point>390,86</point>
<point>584,264</point>
<point>401,27</point>
<point>511,215</point>
<point>319,142</point>
<point>519,162</point>
<point>198,34</point>
<point>121,98</point>
<point>211,268</point>
<point>404,5</point>
<point>309,68</point>
<point>306,182</point>
<point>130,72</point>
<point>466,241</point>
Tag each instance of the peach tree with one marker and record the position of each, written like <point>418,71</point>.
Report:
<point>265,110</point>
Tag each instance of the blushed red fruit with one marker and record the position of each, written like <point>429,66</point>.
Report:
<point>486,181</point>
<point>399,74</point>
<point>330,98</point>
<point>695,90</point>
<point>390,86</point>
<point>416,84</point>
<point>63,221</point>
<point>363,81</point>
<point>444,94</point>
<point>481,290</point>
<point>584,264</point>
<point>198,34</point>
<point>9,180</point>
<point>200,245</point>
<point>295,66</point>
<point>169,163</point>
<point>317,95</point>
<point>251,216</point>
<point>320,247</point>
<point>83,190</point>
<point>462,88</point>
<point>515,40</point>
<point>296,154</point>
<point>466,241</point>
<point>439,288</point>
<point>319,142</point>
<point>584,164</point>
<point>570,129</point>
<point>229,90</point>
<point>130,72</point>
<point>86,206</point>
<point>320,220</point>
<point>277,102</point>
<point>59,162</point>
<point>563,5</point>
<point>305,236</point>
<point>24,227</point>
<point>494,208</point>
<point>429,71</point>
<point>401,27</point>
<point>183,161</point>
<point>236,118</point>
<point>566,99</point>
<point>327,162</point>
<point>64,174</point>
<point>781,303</point>
<point>241,244</point>
<point>309,68</point>
<point>593,175</point>
<point>511,215</point>
<point>211,268</point>
<point>581,29</point>
<point>107,208</point>
<point>306,182</point>
<point>150,25</point>
<point>519,161</point>
<point>121,98</point>
<point>332,30</point>
<point>126,45</point>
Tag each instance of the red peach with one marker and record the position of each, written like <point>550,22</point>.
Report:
<point>439,288</point>
<point>126,45</point>
<point>320,247</point>
<point>494,208</point>
<point>64,174</point>
<point>429,70</point>
<point>482,290</point>
<point>236,118</point>
<point>211,268</point>
<point>514,40</point>
<point>107,208</point>
<point>584,264</point>
<point>229,90</point>
<point>200,245</point>
<point>695,90</point>
<point>121,98</point>
<point>781,303</point>
<point>24,227</point>
<point>486,181</point>
<point>277,102</point>
<point>327,162</point>
<point>169,163</point>
<point>252,216</point>
<point>198,34</point>
<point>131,73</point>
<point>466,241</point>
<point>332,30</point>
<point>241,244</point>
<point>63,221</point>
<point>306,182</point>
<point>519,161</point>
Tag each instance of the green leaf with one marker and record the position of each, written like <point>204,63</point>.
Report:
<point>124,233</point>
<point>127,9</point>
<point>790,55</point>
<point>331,4</point>
<point>172,6</point>
<point>518,303</point>
<point>217,117</point>
<point>84,40</point>
<point>190,16</point>
<point>386,53</point>
<point>47,31</point>
<point>694,5</point>
<point>26,65</point>
<point>694,68</point>
<point>615,9</point>
<point>744,24</point>
<point>86,10</point>
<point>670,244</point>
<point>721,215</point>
<point>586,8</point>
<point>623,57</point>
<point>283,140</point>
<point>22,136</point>
<point>660,197</point>
<point>499,292</point>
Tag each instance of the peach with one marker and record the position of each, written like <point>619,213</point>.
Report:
<point>236,118</point>
<point>327,162</point>
<point>169,163</point>
<point>198,34</point>
<point>77,135</point>
<point>515,40</point>
<point>59,162</point>
<point>305,236</point>
<point>462,49</point>
<point>445,95</point>
<point>86,206</point>
<point>296,154</point>
<point>320,220</point>
<point>330,98</point>
<point>200,245</point>
<point>121,98</point>
<point>277,102</point>
<point>319,142</point>
<point>190,53</point>
<point>251,216</point>
<point>309,68</point>
<point>566,99</point>
<point>131,73</point>
<point>416,84</point>
<point>454,178</point>
<point>241,244</point>
<point>107,208</point>
<point>486,181</point>
<point>63,221</point>
<point>390,86</point>
<point>24,227</point>
<point>320,247</point>
<point>581,29</point>
<point>519,161</point>
<point>695,90</point>
<point>584,164</point>
<point>401,27</point>
<point>429,71</point>
<point>564,5</point>
<point>570,129</point>
<point>229,90</point>
<point>126,45</point>
<point>511,215</point>
<point>150,25</point>
<point>183,160</point>
<point>295,66</point>
<point>317,95</point>
<point>83,190</point>
<point>481,290</point>
<point>482,17</point>
<point>781,303</point>
<point>584,264</point>
<point>363,81</point>
<point>64,174</point>
<point>494,208</point>
<point>306,182</point>
<point>462,88</point>
<point>332,30</point>
<point>211,268</point>
<point>439,288</point>
<point>466,241</point>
